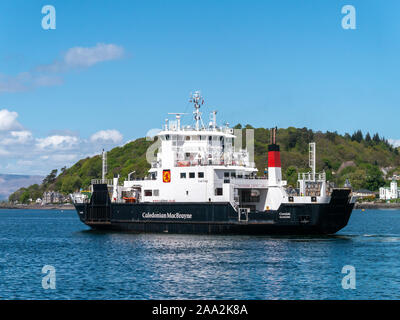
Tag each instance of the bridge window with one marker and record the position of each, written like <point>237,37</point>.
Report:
<point>183,175</point>
<point>191,175</point>
<point>201,174</point>
<point>156,193</point>
<point>148,193</point>
<point>218,191</point>
<point>226,174</point>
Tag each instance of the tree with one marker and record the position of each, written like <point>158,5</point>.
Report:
<point>331,136</point>
<point>71,184</point>
<point>374,179</point>
<point>24,197</point>
<point>291,175</point>
<point>357,136</point>
<point>292,140</point>
<point>327,164</point>
<point>356,178</point>
<point>51,177</point>
<point>368,138</point>
<point>376,138</point>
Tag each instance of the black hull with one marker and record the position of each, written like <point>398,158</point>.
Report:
<point>215,218</point>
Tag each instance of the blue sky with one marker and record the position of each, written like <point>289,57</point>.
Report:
<point>267,63</point>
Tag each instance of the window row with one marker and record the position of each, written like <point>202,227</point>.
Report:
<point>192,175</point>
<point>234,175</point>
<point>196,138</point>
<point>151,193</point>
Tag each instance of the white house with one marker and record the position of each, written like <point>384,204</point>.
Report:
<point>389,193</point>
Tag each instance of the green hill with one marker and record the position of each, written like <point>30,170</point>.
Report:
<point>358,158</point>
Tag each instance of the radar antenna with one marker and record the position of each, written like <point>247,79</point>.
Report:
<point>178,118</point>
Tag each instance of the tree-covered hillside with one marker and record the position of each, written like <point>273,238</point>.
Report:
<point>355,157</point>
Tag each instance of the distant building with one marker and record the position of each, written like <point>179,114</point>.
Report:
<point>52,197</point>
<point>364,193</point>
<point>38,201</point>
<point>389,193</point>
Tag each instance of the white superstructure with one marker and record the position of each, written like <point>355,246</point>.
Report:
<point>201,163</point>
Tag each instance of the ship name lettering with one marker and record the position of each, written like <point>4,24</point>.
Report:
<point>168,215</point>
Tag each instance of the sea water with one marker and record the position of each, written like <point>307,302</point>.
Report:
<point>86,264</point>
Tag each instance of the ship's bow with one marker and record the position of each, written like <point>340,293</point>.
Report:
<point>336,214</point>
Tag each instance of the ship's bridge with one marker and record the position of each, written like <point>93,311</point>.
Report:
<point>199,145</point>
<point>192,148</point>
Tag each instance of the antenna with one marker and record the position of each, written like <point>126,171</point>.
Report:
<point>214,119</point>
<point>178,118</point>
<point>197,100</point>
<point>312,152</point>
<point>104,169</point>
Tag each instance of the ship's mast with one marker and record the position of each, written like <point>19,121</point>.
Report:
<point>197,100</point>
<point>214,119</point>
<point>104,169</point>
<point>312,159</point>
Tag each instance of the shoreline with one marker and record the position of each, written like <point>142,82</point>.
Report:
<point>376,205</point>
<point>39,207</point>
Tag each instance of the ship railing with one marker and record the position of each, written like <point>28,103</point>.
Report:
<point>309,176</point>
<point>141,179</point>
<point>195,163</point>
<point>108,182</point>
<point>249,177</point>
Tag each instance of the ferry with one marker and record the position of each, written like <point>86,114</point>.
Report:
<point>203,182</point>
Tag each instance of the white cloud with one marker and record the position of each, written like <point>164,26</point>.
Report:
<point>25,162</point>
<point>47,81</point>
<point>64,158</point>
<point>27,80</point>
<point>21,152</point>
<point>8,120</point>
<point>86,57</point>
<point>394,142</point>
<point>16,137</point>
<point>107,135</point>
<point>4,152</point>
<point>57,142</point>
<point>76,57</point>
